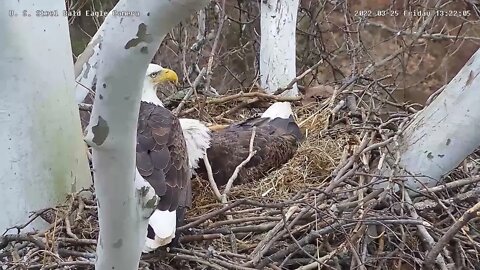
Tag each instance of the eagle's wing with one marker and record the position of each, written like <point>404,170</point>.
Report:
<point>162,160</point>
<point>230,147</point>
<point>161,156</point>
<point>276,141</point>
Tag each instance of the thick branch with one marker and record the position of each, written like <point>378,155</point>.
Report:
<point>445,132</point>
<point>126,47</point>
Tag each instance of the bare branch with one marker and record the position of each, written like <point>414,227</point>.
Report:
<point>251,153</point>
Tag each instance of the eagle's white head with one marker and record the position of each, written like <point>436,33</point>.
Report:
<point>155,76</point>
<point>197,137</point>
<point>278,110</point>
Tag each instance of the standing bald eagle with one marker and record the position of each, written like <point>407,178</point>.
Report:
<point>276,140</point>
<point>162,160</point>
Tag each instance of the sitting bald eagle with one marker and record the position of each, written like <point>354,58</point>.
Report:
<point>162,160</point>
<point>276,140</point>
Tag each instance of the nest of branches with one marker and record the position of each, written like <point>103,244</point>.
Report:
<point>320,210</point>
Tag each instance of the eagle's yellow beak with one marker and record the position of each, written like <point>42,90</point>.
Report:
<point>166,75</point>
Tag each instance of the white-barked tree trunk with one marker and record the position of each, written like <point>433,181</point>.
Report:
<point>125,45</point>
<point>443,134</point>
<point>278,23</point>
<point>43,154</point>
<point>87,64</point>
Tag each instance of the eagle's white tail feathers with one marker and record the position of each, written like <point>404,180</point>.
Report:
<point>197,137</point>
<point>163,224</point>
<point>278,110</point>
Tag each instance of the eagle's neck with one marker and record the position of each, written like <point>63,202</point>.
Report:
<point>149,95</point>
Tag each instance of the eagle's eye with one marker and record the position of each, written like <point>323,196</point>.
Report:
<point>154,74</point>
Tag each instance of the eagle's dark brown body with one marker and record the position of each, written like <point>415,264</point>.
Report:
<point>275,141</point>
<point>160,143</point>
<point>162,158</point>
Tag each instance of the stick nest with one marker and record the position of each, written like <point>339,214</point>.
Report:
<point>318,210</point>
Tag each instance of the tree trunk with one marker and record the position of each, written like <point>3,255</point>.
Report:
<point>86,66</point>
<point>125,48</point>
<point>278,45</point>
<point>446,132</point>
<point>43,155</point>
